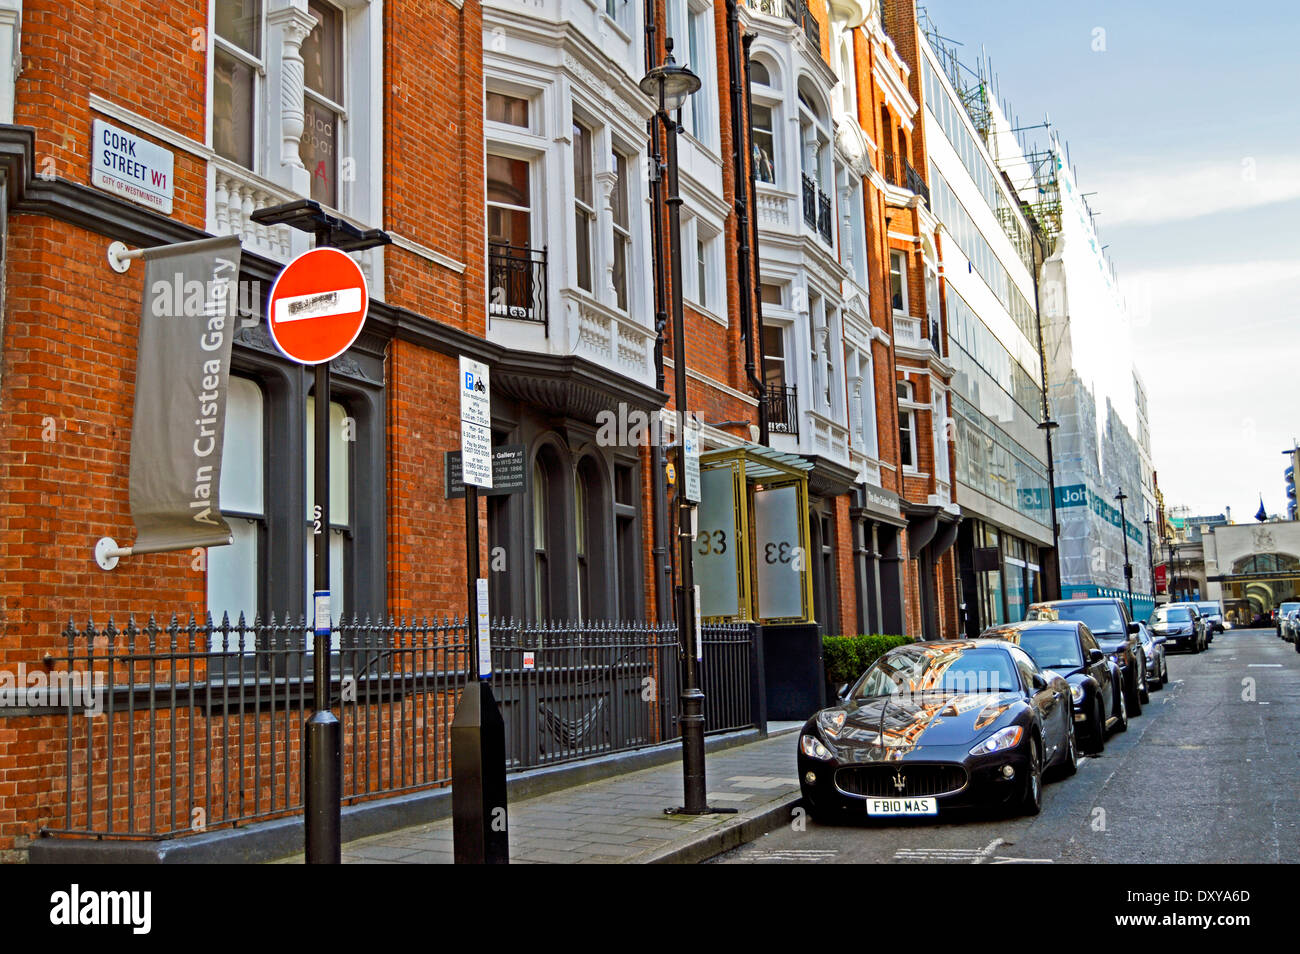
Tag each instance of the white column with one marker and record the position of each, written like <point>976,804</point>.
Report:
<point>289,26</point>
<point>604,197</point>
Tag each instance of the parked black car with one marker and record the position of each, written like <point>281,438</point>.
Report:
<point>1180,625</point>
<point>1070,650</point>
<point>935,725</point>
<point>1108,620</point>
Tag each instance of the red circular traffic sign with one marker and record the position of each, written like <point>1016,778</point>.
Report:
<point>317,306</point>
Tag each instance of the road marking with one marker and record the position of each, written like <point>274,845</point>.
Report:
<point>974,856</point>
<point>1007,860</point>
<point>792,854</point>
<point>1264,666</point>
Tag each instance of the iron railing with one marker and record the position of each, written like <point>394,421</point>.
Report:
<point>824,215</point>
<point>809,201</point>
<point>192,727</point>
<point>517,284</point>
<point>917,185</point>
<point>797,11</point>
<point>782,409</point>
<point>890,170</point>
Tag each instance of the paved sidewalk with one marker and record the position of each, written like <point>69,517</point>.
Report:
<point>621,819</point>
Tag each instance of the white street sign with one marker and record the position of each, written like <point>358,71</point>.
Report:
<point>132,167</point>
<point>691,443</point>
<point>475,393</point>
<point>475,423</point>
<point>476,454</point>
<point>484,630</point>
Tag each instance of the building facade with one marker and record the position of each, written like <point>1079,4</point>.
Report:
<point>993,340</point>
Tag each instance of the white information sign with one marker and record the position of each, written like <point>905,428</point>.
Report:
<point>484,630</point>
<point>475,393</point>
<point>132,167</point>
<point>691,444</point>
<point>475,423</point>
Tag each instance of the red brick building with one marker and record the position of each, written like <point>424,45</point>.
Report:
<point>505,154</point>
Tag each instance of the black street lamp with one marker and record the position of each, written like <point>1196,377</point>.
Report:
<point>1151,559</point>
<point>1047,425</point>
<point>670,85</point>
<point>1128,567</point>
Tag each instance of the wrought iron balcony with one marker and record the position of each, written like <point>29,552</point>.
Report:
<point>824,215</point>
<point>890,170</point>
<point>797,11</point>
<point>916,184</point>
<point>809,201</point>
<point>782,409</point>
<point>517,283</point>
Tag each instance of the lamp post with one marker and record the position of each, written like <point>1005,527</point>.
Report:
<point>1128,567</point>
<point>670,85</point>
<point>1047,425</point>
<point>1151,560</point>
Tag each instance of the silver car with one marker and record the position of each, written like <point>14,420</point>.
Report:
<point>1157,664</point>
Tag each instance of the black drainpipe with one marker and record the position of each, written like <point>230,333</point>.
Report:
<point>746,229</point>
<point>757,338</point>
<point>659,490</point>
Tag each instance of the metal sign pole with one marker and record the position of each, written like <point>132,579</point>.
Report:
<point>478,733</point>
<point>324,748</point>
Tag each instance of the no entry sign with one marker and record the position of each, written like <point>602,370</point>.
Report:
<point>317,306</point>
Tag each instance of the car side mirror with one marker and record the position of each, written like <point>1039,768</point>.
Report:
<point>842,692</point>
<point>1040,682</point>
<point>1133,627</point>
<point>1095,656</point>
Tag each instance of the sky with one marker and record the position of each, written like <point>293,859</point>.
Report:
<point>1184,119</point>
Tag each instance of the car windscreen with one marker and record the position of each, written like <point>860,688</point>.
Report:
<point>1209,609</point>
<point>937,669</point>
<point>1052,648</point>
<point>1175,615</point>
<point>1104,619</point>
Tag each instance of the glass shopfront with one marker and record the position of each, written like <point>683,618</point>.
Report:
<point>1000,576</point>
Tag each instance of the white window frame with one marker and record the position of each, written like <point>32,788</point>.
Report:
<point>907,406</point>
<point>699,114</point>
<point>361,138</point>
<point>901,257</point>
<point>341,135</point>
<point>711,300</point>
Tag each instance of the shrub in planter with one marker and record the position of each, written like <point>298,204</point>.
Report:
<point>847,657</point>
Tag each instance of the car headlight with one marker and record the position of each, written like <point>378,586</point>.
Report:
<point>999,741</point>
<point>812,747</point>
<point>832,722</point>
<point>1076,693</point>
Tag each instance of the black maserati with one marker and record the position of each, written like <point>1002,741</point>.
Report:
<point>939,724</point>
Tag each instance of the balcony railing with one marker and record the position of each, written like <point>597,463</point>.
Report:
<point>890,170</point>
<point>809,202</point>
<point>517,284</point>
<point>824,215</point>
<point>782,409</point>
<point>797,11</point>
<point>916,184</point>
